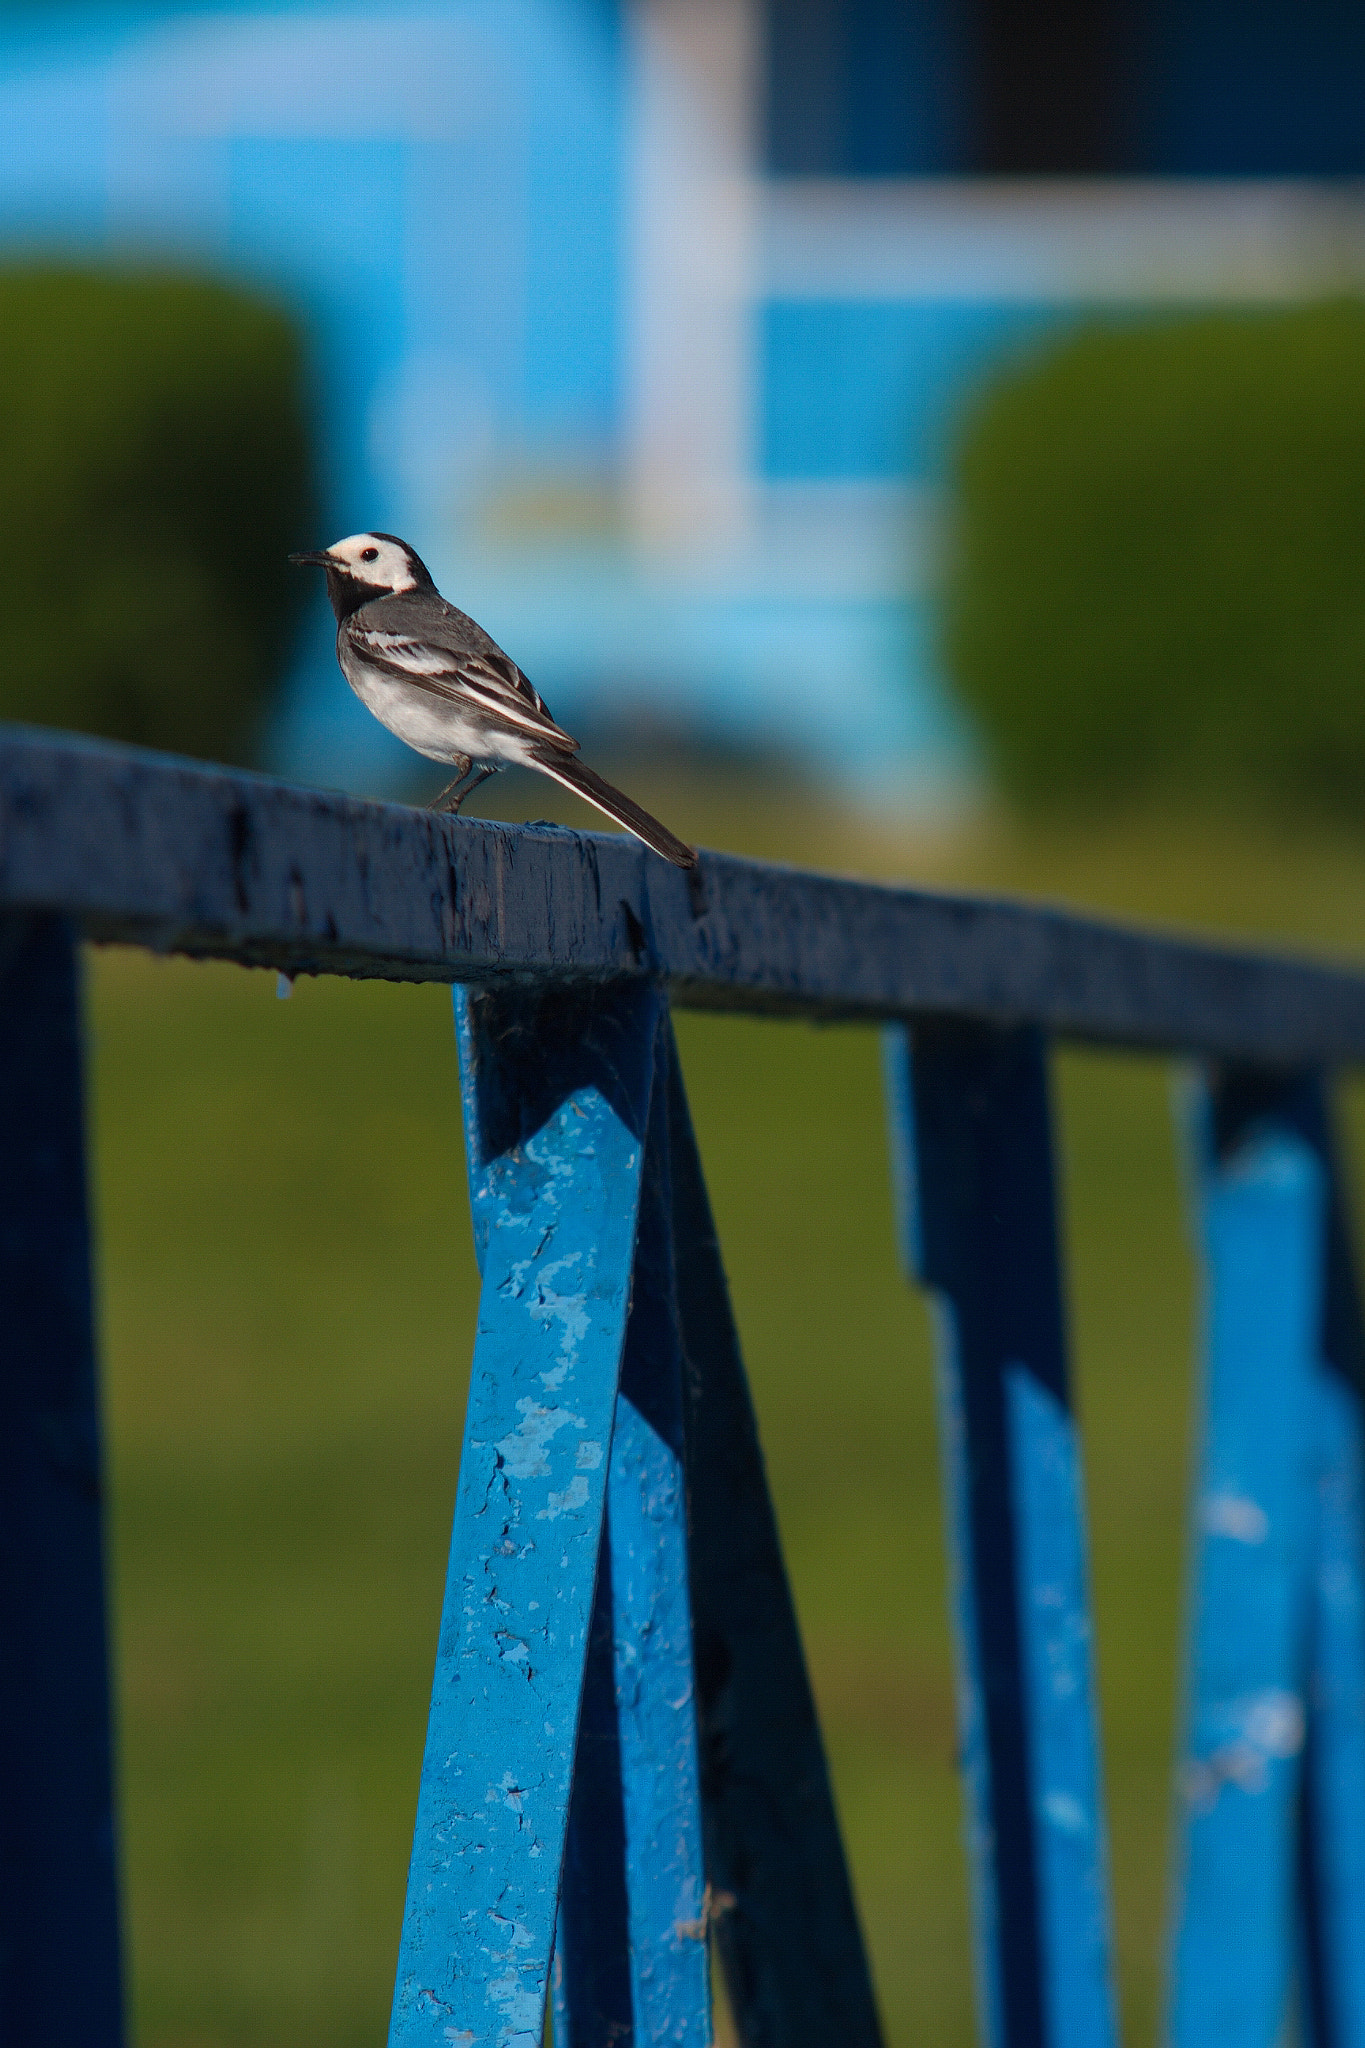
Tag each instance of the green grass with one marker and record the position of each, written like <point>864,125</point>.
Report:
<point>288,1298</point>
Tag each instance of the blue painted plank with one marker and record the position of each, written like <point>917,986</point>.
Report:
<point>1334,1848</point>
<point>782,1910</point>
<point>59,1934</point>
<point>1053,1594</point>
<point>1261,1198</point>
<point>1332,1804</point>
<point>593,2002</point>
<point>557,1094</point>
<point>651,1810</point>
<point>973,1162</point>
<point>655,1688</point>
<point>154,851</point>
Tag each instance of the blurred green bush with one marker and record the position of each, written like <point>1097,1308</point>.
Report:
<point>1158,569</point>
<point>157,467</point>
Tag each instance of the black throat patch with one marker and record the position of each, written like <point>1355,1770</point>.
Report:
<point>347,592</point>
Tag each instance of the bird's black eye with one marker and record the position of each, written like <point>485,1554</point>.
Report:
<point>369,554</point>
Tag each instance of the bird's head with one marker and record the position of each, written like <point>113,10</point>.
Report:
<point>365,567</point>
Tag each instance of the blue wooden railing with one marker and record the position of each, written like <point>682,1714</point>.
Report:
<point>623,1766</point>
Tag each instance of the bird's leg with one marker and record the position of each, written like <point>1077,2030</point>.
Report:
<point>464,764</point>
<point>470,788</point>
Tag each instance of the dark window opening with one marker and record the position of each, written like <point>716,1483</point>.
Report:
<point>1023,88</point>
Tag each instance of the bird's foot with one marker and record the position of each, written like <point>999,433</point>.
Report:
<point>452,796</point>
<point>474,783</point>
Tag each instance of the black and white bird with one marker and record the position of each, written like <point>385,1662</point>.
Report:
<point>434,677</point>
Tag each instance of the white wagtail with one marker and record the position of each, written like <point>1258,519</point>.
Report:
<point>431,675</point>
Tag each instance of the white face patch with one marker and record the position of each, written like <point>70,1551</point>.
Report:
<point>381,562</point>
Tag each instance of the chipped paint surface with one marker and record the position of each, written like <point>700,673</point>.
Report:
<point>148,850</point>
<point>652,1641</point>
<point>656,1705</point>
<point>628,1962</point>
<point>1233,1515</point>
<point>1336,1760</point>
<point>1235,1937</point>
<point>127,846</point>
<point>1054,1606</point>
<point>557,1213</point>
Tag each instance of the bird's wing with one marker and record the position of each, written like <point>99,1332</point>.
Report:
<point>458,674</point>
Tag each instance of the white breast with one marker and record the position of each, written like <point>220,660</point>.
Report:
<point>426,723</point>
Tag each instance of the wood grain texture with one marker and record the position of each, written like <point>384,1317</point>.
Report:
<point>145,849</point>
<point>59,1921</point>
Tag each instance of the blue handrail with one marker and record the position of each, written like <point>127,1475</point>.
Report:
<point>624,1772</point>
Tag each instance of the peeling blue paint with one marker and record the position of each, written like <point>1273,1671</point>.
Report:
<point>1054,1601</point>
<point>632,1961</point>
<point>566,943</point>
<point>1271,1855</point>
<point>1236,1934</point>
<point>1336,1758</point>
<point>652,1630</point>
<point>558,1209</point>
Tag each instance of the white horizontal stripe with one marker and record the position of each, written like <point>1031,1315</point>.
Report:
<point>1116,239</point>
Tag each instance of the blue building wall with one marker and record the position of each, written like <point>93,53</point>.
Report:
<point>436,189</point>
<point>444,192</point>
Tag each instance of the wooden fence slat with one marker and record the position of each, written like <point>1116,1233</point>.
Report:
<point>1333,1834</point>
<point>656,1692</point>
<point>1272,1891</point>
<point>149,850</point>
<point>639,1798</point>
<point>557,1095</point>
<point>1333,1850</point>
<point>594,2006</point>
<point>1261,1199</point>
<point>783,1915</point>
<point>972,1149</point>
<point>59,1935</point>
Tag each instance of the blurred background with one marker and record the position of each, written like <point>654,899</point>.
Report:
<point>919,437</point>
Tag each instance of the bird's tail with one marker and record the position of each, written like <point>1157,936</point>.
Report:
<point>576,775</point>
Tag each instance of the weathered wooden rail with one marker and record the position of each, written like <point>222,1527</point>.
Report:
<point>623,1764</point>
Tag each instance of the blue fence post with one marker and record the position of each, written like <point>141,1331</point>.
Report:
<point>781,1903</point>
<point>1333,1831</point>
<point>557,1090</point>
<point>59,1922</point>
<point>632,1955</point>
<point>1270,1887</point>
<point>972,1148</point>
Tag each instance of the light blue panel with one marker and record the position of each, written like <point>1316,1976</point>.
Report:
<point>1336,1757</point>
<point>657,1720</point>
<point>873,389</point>
<point>556,1191</point>
<point>1235,1919</point>
<point>578,86</point>
<point>1054,1606</point>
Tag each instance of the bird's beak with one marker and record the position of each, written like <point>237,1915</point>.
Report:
<point>319,559</point>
